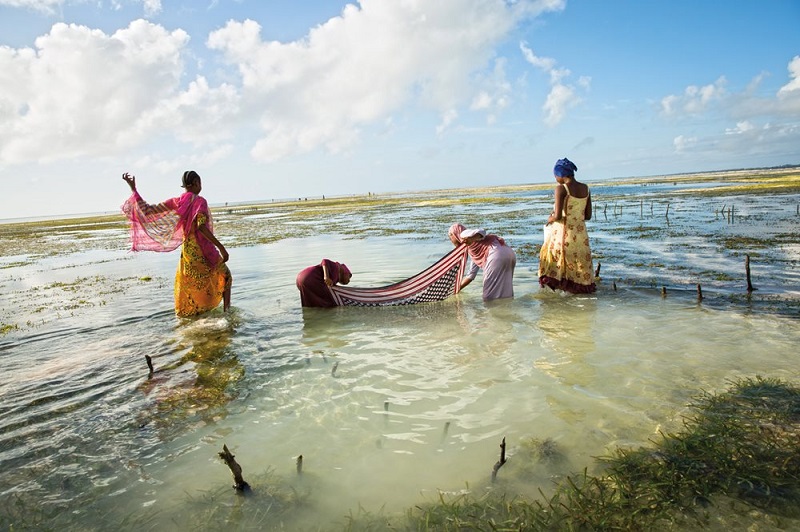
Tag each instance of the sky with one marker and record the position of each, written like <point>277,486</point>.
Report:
<point>282,99</point>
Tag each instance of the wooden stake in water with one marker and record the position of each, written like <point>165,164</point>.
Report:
<point>663,291</point>
<point>597,270</point>
<point>500,462</point>
<point>747,270</point>
<point>300,465</point>
<point>236,469</point>
<point>149,364</point>
<point>699,293</point>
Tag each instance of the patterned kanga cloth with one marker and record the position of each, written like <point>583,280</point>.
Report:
<point>438,282</point>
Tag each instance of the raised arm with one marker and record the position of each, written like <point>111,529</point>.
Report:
<point>131,180</point>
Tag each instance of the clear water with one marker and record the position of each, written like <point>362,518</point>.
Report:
<point>387,406</point>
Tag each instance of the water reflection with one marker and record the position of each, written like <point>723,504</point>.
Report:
<point>567,325</point>
<point>198,386</point>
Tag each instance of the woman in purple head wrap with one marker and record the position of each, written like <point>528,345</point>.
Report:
<point>313,283</point>
<point>565,260</point>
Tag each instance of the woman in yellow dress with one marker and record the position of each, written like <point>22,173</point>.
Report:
<point>565,260</point>
<point>203,279</point>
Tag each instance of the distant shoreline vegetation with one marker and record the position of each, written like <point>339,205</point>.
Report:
<point>257,223</point>
<point>749,174</point>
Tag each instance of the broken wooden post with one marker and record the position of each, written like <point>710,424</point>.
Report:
<point>597,270</point>
<point>663,291</point>
<point>235,468</point>
<point>699,293</point>
<point>300,465</point>
<point>666,215</point>
<point>502,460</point>
<point>149,364</point>
<point>614,285</point>
<point>747,270</point>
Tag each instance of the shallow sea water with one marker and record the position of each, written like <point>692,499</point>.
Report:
<point>388,407</point>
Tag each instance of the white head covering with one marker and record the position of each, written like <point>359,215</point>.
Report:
<point>466,233</point>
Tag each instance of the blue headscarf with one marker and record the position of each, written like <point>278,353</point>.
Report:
<point>565,168</point>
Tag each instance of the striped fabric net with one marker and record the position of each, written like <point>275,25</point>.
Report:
<point>436,283</point>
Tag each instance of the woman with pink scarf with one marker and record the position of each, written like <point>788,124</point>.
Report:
<point>491,253</point>
<point>203,279</point>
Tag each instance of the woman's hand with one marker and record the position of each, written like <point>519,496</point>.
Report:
<point>131,180</point>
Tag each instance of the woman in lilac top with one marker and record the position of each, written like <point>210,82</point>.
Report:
<point>491,253</point>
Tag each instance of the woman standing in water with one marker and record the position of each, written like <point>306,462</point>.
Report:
<point>565,260</point>
<point>491,253</point>
<point>203,279</point>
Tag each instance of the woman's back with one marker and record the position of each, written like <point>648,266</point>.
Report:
<point>575,208</point>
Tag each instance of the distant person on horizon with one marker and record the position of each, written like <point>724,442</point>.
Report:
<point>565,260</point>
<point>491,253</point>
<point>313,283</point>
<point>203,279</point>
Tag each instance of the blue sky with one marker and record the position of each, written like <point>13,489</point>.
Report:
<point>285,99</point>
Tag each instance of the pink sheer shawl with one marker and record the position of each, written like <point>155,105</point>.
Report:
<point>163,227</point>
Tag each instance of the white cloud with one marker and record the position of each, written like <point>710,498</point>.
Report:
<point>747,139</point>
<point>694,99</point>
<point>793,87</point>
<point>50,7</point>
<point>495,94</point>
<point>175,166</point>
<point>761,124</point>
<point>682,143</point>
<point>741,127</point>
<point>562,96</point>
<point>447,119</point>
<point>359,67</point>
<point>83,92</point>
<point>152,7</point>
<point>545,63</point>
<point>44,6</point>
